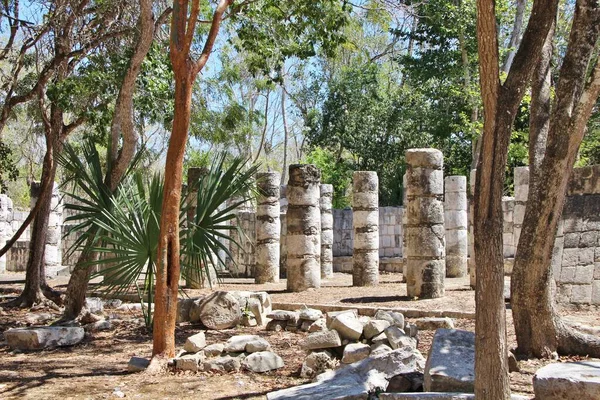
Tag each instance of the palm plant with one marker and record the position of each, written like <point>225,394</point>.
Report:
<point>129,228</point>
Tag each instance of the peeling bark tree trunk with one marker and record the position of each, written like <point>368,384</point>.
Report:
<point>185,70</point>
<point>122,126</point>
<point>500,104</point>
<point>540,332</point>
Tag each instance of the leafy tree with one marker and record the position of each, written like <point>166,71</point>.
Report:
<point>335,171</point>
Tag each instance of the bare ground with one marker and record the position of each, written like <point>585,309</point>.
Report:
<point>97,367</point>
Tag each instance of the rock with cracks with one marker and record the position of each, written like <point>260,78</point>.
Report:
<point>568,381</point>
<point>354,380</point>
<point>43,337</point>
<point>262,361</point>
<point>451,363</point>
<point>220,310</point>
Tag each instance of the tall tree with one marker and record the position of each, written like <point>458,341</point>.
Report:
<point>500,105</point>
<point>540,332</point>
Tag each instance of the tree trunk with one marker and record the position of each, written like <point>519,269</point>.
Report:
<point>515,36</point>
<point>540,332</point>
<point>285,136</point>
<point>122,126</point>
<point>168,268</point>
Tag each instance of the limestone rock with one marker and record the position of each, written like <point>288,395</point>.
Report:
<point>276,325</point>
<point>94,305</point>
<point>282,315</point>
<point>189,362</point>
<point>43,337</point>
<point>213,350</point>
<point>568,381</point>
<point>380,339</point>
<point>183,310</point>
<point>436,396</point>
<point>379,348</point>
<point>398,338</point>
<point>318,326</point>
<point>137,364</point>
<point>102,325</point>
<point>258,345</point>
<point>220,310</point>
<point>322,340</point>
<point>348,326</point>
<point>316,363</point>
<point>394,318</point>
<point>355,352</point>
<point>431,324</point>
<point>248,320</point>
<point>226,363</point>
<point>262,361</point>
<point>451,362</point>
<point>195,343</point>
<point>353,381</point>
<point>89,318</point>
<point>331,315</point>
<point>310,314</point>
<point>238,343</point>
<point>194,311</point>
<point>374,327</point>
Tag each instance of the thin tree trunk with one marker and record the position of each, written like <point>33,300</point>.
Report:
<point>264,131</point>
<point>540,332</point>
<point>168,269</point>
<point>515,36</point>
<point>122,126</point>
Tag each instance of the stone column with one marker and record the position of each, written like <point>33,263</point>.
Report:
<point>303,238</point>
<point>52,253</point>
<point>283,205</point>
<point>425,243</point>
<point>268,227</point>
<point>326,231</point>
<point>455,222</point>
<point>365,221</point>
<point>472,266</point>
<point>521,177</point>
<point>194,279</point>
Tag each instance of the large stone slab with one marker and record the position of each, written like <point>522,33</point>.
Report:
<point>262,361</point>
<point>436,396</point>
<point>451,363</point>
<point>568,381</point>
<point>348,326</point>
<point>322,340</point>
<point>353,381</point>
<point>43,337</point>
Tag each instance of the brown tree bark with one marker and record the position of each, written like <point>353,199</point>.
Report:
<point>540,332</point>
<point>500,105</point>
<point>122,126</point>
<point>185,69</point>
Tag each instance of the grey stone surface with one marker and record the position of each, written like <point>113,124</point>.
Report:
<point>220,310</point>
<point>225,363</point>
<point>451,363</point>
<point>568,381</point>
<point>94,305</point>
<point>455,222</point>
<point>394,318</point>
<point>45,337</point>
<point>268,227</point>
<point>374,327</point>
<point>213,350</point>
<point>183,309</point>
<point>326,231</point>
<point>399,339</point>
<point>354,352</point>
<point>317,326</point>
<point>436,396</point>
<point>331,315</point>
<point>282,315</point>
<point>189,362</point>
<point>365,221</point>
<point>195,343</point>
<point>379,348</point>
<point>316,363</point>
<point>353,381</point>
<point>310,314</point>
<point>348,326</point>
<point>238,343</point>
<point>322,340</point>
<point>258,345</point>
<point>137,364</point>
<point>263,361</point>
<point>303,232</point>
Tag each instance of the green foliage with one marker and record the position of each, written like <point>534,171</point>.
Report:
<point>336,171</point>
<point>8,169</point>
<point>589,153</point>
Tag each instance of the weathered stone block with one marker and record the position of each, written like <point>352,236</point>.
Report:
<point>451,363</point>
<point>581,294</point>
<point>571,240</point>
<point>568,381</point>
<point>584,274</point>
<point>43,337</point>
<point>596,292</point>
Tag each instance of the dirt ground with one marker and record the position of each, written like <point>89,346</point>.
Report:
<point>97,367</point>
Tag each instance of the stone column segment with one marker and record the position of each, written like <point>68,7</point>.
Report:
<point>425,241</point>
<point>455,222</point>
<point>52,253</point>
<point>283,204</point>
<point>6,209</point>
<point>326,202</point>
<point>521,179</point>
<point>303,238</point>
<point>365,222</point>
<point>268,227</point>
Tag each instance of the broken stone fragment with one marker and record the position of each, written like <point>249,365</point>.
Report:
<point>195,343</point>
<point>322,340</point>
<point>263,361</point>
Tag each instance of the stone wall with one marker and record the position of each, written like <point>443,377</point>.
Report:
<point>578,274</point>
